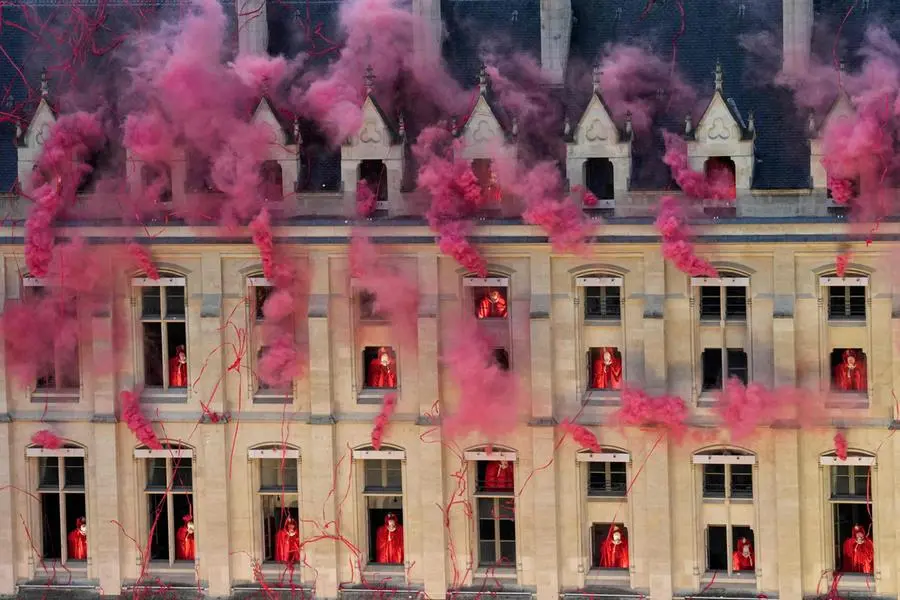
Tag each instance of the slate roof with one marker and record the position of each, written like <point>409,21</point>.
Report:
<point>305,26</point>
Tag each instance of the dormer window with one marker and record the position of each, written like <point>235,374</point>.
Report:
<point>272,181</point>
<point>491,195</point>
<point>374,174</point>
<point>598,178</point>
<point>720,175</point>
<point>198,178</point>
<point>157,181</point>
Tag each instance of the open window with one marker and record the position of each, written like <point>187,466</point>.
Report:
<point>609,546</point>
<point>170,510</point>
<point>58,377</point>
<point>156,180</point>
<point>374,174</point>
<point>720,174</point>
<point>368,310</point>
<point>501,358</point>
<point>732,362</point>
<point>491,194</point>
<point>60,490</point>
<point>852,507</point>
<point>259,291</point>
<point>198,176</point>
<point>848,371</point>
<point>107,162</point>
<point>491,302</point>
<point>382,492</point>
<point>162,325</point>
<point>380,367</point>
<point>730,549</point>
<point>278,498</point>
<point>599,178</point>
<point>605,368</point>
<point>272,181</point>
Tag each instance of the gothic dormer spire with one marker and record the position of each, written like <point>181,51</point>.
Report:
<point>595,78</point>
<point>811,124</point>
<point>719,76</point>
<point>751,122</point>
<point>567,127</point>
<point>688,125</point>
<point>401,127</point>
<point>483,79</point>
<point>629,128</point>
<point>45,85</point>
<point>369,79</point>
<point>298,139</point>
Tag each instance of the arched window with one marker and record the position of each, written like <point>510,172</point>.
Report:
<point>374,173</point>
<point>157,181</point>
<point>272,181</point>
<point>720,174</point>
<point>598,178</point>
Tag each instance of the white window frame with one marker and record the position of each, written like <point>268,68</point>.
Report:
<point>137,284</point>
<point>170,454</point>
<point>728,460</point>
<point>60,455</point>
<point>475,282</point>
<point>724,367</point>
<point>476,457</point>
<point>257,456</point>
<point>56,392</point>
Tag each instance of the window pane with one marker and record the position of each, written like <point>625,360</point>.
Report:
<point>153,366</point>
<point>394,478</point>
<point>487,529</point>
<point>74,469</point>
<point>48,473</point>
<point>276,474</point>
<point>507,553</point>
<point>619,478</point>
<point>737,364</point>
<point>602,302</point>
<point>713,481</point>
<point>507,530</point>
<point>712,368</point>
<point>182,474</point>
<point>150,304</point>
<point>373,474</point>
<point>75,510</point>
<point>717,548</point>
<point>507,508</point>
<point>50,526</point>
<point>261,293</point>
<point>156,473</point>
<point>183,506</point>
<point>158,523</point>
<point>487,552</point>
<point>736,303</point>
<point>861,482</point>
<point>840,481</point>
<point>175,302</point>
<point>486,508</point>
<point>710,302</point>
<point>741,481</point>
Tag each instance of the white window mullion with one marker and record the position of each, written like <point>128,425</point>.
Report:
<point>61,485</point>
<point>170,511</point>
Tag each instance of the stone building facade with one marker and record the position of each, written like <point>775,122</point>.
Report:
<point>236,454</point>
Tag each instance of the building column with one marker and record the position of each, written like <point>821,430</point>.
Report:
<point>656,534</point>
<point>655,372</point>
<point>7,528</point>
<point>105,550</point>
<point>556,29</point>
<point>427,32</point>
<point>541,339</point>
<point>797,30</point>
<point>253,28</point>
<point>545,533</point>
<point>788,557</point>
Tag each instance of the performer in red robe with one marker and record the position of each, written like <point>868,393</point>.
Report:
<point>742,558</point>
<point>498,476</point>
<point>78,540</point>
<point>492,306</point>
<point>287,542</point>
<point>614,550</point>
<point>607,372</point>
<point>850,374</point>
<point>389,541</point>
<point>178,368</point>
<point>184,540</point>
<point>492,194</point>
<point>859,552</point>
<point>382,370</point>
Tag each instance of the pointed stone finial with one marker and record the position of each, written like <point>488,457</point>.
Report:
<point>595,78</point>
<point>18,131</point>
<point>515,128</point>
<point>751,122</point>
<point>401,126</point>
<point>453,126</point>
<point>369,79</point>
<point>298,139</point>
<point>45,85</point>
<point>688,125</point>
<point>719,76</point>
<point>483,79</point>
<point>629,128</point>
<point>842,66</point>
<point>811,124</point>
<point>567,127</point>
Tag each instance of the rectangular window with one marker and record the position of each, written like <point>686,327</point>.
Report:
<point>727,481</point>
<point>259,293</point>
<point>607,480</point>
<point>496,532</point>
<point>383,496</point>
<point>847,303</point>
<point>609,546</point>
<point>501,358</point>
<point>850,482</point>
<point>379,367</point>
<point>854,543</point>
<point>723,302</point>
<point>603,303</point>
<point>279,501</point>
<point>60,375</point>
<point>164,332</point>
<point>368,310</point>
<point>714,362</point>
<point>170,508</point>
<point>724,549</point>
<point>849,371</point>
<point>62,509</point>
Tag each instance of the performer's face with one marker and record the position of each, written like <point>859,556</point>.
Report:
<point>860,537</point>
<point>617,537</point>
<point>495,296</point>
<point>745,549</point>
<point>851,361</point>
<point>385,359</point>
<point>182,357</point>
<point>391,525</point>
<point>83,528</point>
<point>190,527</point>
<point>607,358</point>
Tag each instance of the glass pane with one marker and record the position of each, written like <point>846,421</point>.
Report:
<point>153,366</point>
<point>507,530</point>
<point>156,473</point>
<point>713,481</point>
<point>486,529</point>
<point>373,474</point>
<point>158,523</point>
<point>182,474</point>
<point>840,481</point>
<point>150,304</point>
<point>507,508</point>
<point>735,303</point>
<point>74,470</point>
<point>741,481</point>
<point>260,295</point>
<point>486,508</point>
<point>861,482</point>
<point>177,354</point>
<point>619,478</point>
<point>487,553</point>
<point>507,553</point>
<point>394,478</point>
<point>710,302</point>
<point>277,475</point>
<point>75,517</point>
<point>50,526</point>
<point>48,473</point>
<point>175,302</point>
<point>185,546</point>
<point>716,548</point>
<point>712,368</point>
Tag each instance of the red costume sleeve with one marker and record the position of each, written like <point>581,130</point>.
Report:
<point>177,373</point>
<point>281,546</point>
<point>500,308</point>
<point>484,308</point>
<point>77,545</point>
<point>498,478</point>
<point>615,373</point>
<point>184,544</point>
<point>374,374</point>
<point>389,545</point>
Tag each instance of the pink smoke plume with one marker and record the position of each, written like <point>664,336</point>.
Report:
<point>842,262</point>
<point>676,244</point>
<point>137,422</point>
<point>396,295</point>
<point>841,189</point>
<point>57,174</point>
<point>382,419</point>
<point>840,445</point>
<point>588,198</point>
<point>717,184</point>
<point>583,436</point>
<point>490,398</point>
<point>143,260</point>
<point>365,199</point>
<point>743,409</point>
<point>639,409</point>
<point>456,195</point>
<point>46,438</point>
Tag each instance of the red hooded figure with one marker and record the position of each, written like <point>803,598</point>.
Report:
<point>78,540</point>
<point>850,374</point>
<point>614,550</point>
<point>859,552</point>
<point>492,306</point>
<point>178,368</point>
<point>184,540</point>
<point>287,543</point>
<point>742,558</point>
<point>382,370</point>
<point>389,541</point>
<point>607,372</point>
<point>498,476</point>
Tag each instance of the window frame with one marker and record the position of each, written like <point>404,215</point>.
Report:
<point>723,282</point>
<point>849,283</point>
<point>362,456</point>
<point>602,282</point>
<point>35,456</point>
<point>727,457</point>
<point>166,280</point>
<point>30,287</point>
<point>289,457</point>
<point>606,457</point>
<point>259,392</point>
<point>472,285</point>
<point>856,462</point>
<point>730,537</point>
<point>478,494</point>
<point>726,371</point>
<point>170,453</point>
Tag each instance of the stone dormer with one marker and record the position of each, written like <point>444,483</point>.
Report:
<point>598,155</point>
<point>841,109</point>
<point>487,132</point>
<point>279,170</point>
<point>30,140</point>
<point>722,136</point>
<point>375,153</point>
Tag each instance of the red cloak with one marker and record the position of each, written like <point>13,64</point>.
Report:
<point>498,476</point>
<point>389,544</point>
<point>287,543</point>
<point>184,542</point>
<point>613,555</point>
<point>78,542</point>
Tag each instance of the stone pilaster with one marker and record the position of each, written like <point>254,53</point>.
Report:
<point>7,529</point>
<point>541,339</point>
<point>318,505</point>
<point>653,324</point>
<point>427,33</point>
<point>545,530</point>
<point>103,486</point>
<point>253,29</point>
<point>797,31</point>
<point>787,516</point>
<point>556,29</point>
<point>212,499</point>
<point>656,533</point>
<point>320,388</point>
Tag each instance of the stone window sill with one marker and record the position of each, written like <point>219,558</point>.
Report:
<point>273,397</point>
<point>607,576</point>
<point>847,400</point>
<point>164,396</point>
<point>737,580</point>
<point>374,395</point>
<point>56,396</point>
<point>602,397</point>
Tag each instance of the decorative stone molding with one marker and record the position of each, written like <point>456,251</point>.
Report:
<point>284,146</point>
<point>30,142</point>
<point>377,139</point>
<point>841,109</point>
<point>721,132</point>
<point>596,135</point>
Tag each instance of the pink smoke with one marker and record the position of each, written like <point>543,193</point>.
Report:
<point>45,438</point>
<point>381,421</point>
<point>841,262</point>
<point>588,198</point>
<point>840,445</point>
<point>489,397</point>
<point>676,240</point>
<point>366,200</point>
<point>396,296</point>
<point>639,409</point>
<point>718,184</point>
<point>743,409</point>
<point>583,436</point>
<point>143,260</point>
<point>137,422</point>
<point>58,172</point>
